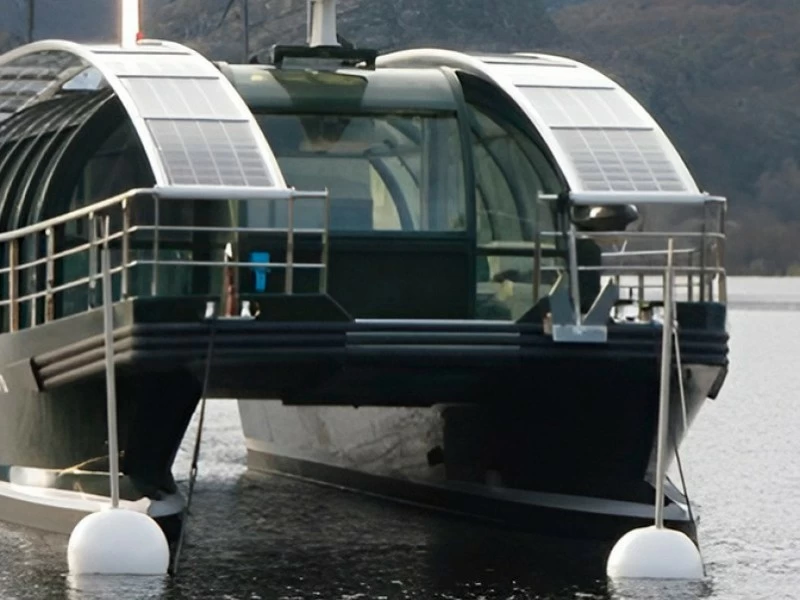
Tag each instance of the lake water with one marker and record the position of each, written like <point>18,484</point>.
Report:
<point>254,536</point>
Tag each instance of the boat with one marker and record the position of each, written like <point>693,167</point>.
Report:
<point>498,235</point>
<point>422,274</point>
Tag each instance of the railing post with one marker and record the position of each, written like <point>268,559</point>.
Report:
<point>640,290</point>
<point>290,245</point>
<point>92,260</point>
<point>49,301</point>
<point>573,272</point>
<point>154,281</point>
<point>703,251</point>
<point>13,285</point>
<point>323,280</point>
<point>126,249</point>
<point>34,316</point>
<point>537,266</point>
<point>723,277</point>
<point>537,252</point>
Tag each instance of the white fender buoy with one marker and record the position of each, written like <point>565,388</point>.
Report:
<point>655,553</point>
<point>117,542</point>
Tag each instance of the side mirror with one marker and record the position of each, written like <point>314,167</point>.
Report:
<point>604,218</point>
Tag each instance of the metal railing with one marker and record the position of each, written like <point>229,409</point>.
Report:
<point>144,224</point>
<point>699,266</point>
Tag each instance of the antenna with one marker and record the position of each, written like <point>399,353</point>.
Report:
<point>129,23</point>
<point>322,23</point>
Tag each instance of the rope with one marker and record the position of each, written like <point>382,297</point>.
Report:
<point>685,489</point>
<point>679,365</point>
<point>196,452</point>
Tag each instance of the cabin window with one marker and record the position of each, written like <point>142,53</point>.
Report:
<point>118,165</point>
<point>384,172</point>
<point>511,175</point>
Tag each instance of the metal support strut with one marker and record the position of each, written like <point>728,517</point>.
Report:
<point>663,396</point>
<point>111,384</point>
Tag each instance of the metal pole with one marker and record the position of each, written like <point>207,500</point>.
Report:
<point>50,276</point>
<point>289,287</point>
<point>31,18</point>
<point>323,23</point>
<point>723,277</point>
<point>126,249</point>
<point>246,19</point>
<point>573,274</point>
<point>92,299</point>
<point>154,281</point>
<point>663,394</point>
<point>537,252</point>
<point>13,286</point>
<point>111,388</point>
<point>325,241</point>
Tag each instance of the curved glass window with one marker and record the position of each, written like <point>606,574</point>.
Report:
<point>384,172</point>
<point>512,173</point>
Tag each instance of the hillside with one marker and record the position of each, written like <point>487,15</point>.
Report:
<point>83,20</point>
<point>723,79</point>
<point>383,24</point>
<point>721,76</point>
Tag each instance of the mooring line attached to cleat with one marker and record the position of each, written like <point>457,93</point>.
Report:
<point>197,442</point>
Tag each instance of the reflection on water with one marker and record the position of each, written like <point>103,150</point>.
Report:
<point>659,590</point>
<point>256,536</point>
<point>98,586</point>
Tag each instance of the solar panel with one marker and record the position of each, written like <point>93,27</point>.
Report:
<point>604,140</point>
<point>620,161</point>
<point>163,98</point>
<point>193,125</point>
<point>201,134</point>
<point>582,107</point>
<point>209,153</point>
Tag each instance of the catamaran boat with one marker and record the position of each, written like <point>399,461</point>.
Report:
<point>427,275</point>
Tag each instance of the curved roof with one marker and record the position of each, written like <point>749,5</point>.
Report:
<point>193,125</point>
<point>608,147</point>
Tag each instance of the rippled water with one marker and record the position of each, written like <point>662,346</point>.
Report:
<point>254,536</point>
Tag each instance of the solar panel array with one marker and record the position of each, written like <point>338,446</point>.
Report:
<point>188,116</point>
<point>610,142</point>
<point>201,134</point>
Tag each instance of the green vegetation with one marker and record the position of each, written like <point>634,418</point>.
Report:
<point>721,76</point>
<point>723,79</point>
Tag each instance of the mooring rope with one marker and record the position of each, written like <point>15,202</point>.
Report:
<point>684,412</point>
<point>197,442</point>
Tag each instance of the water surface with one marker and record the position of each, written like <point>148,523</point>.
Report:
<point>255,536</point>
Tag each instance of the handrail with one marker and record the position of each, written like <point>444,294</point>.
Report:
<point>159,235</point>
<point>642,255</point>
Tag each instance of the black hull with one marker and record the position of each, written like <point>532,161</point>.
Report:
<point>584,414</point>
<point>575,463</point>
